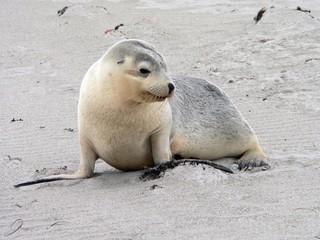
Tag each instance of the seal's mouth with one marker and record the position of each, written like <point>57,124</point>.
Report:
<point>150,97</point>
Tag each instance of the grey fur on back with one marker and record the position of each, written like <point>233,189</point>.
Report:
<point>201,107</point>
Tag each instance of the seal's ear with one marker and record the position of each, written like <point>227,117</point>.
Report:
<point>120,61</point>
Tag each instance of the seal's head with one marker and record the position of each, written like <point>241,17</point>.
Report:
<point>138,72</point>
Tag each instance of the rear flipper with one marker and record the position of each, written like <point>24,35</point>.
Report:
<point>252,159</point>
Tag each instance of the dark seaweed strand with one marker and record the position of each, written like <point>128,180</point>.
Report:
<point>159,171</point>
<point>40,180</point>
<point>206,162</point>
<point>260,14</point>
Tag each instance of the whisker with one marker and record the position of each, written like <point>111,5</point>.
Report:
<point>131,97</point>
<point>147,97</point>
<point>135,104</point>
<point>161,105</point>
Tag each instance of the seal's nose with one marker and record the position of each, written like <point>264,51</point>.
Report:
<point>171,87</point>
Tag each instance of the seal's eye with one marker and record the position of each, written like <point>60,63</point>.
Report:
<point>145,72</point>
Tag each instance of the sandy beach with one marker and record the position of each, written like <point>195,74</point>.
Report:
<point>270,69</point>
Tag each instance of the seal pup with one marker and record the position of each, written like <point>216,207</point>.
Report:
<point>128,116</point>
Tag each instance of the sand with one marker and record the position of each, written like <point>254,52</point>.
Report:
<point>271,70</point>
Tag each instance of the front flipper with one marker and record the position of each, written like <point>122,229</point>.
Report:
<point>160,143</point>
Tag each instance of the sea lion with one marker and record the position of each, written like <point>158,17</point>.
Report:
<point>132,114</point>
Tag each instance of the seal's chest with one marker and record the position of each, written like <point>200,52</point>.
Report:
<point>135,127</point>
<point>122,139</point>
<point>123,125</point>
<point>130,128</point>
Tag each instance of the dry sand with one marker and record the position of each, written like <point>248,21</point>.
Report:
<point>271,70</point>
